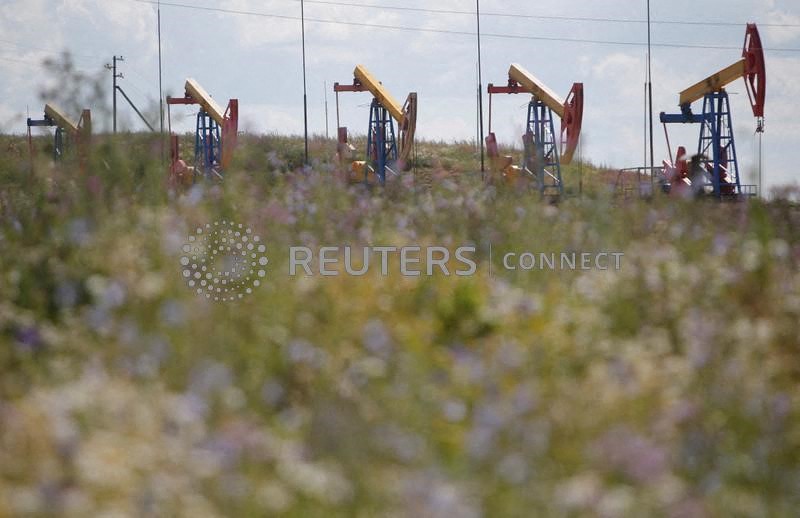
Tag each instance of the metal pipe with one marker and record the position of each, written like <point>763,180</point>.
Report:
<point>480,86</point>
<point>135,109</point>
<point>305,94</point>
<point>114,73</point>
<point>650,91</point>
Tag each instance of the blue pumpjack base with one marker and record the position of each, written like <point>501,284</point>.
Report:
<point>716,143</point>
<point>381,141</point>
<point>207,145</point>
<point>58,138</point>
<point>541,152</point>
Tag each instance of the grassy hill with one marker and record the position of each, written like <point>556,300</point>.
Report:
<point>664,388</point>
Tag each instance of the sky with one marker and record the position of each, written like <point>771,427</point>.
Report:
<point>257,59</point>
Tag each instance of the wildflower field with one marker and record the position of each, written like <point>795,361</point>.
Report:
<point>668,387</point>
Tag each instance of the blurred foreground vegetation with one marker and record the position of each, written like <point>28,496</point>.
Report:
<point>668,388</point>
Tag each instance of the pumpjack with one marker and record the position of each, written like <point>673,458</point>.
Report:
<point>386,150</point>
<point>715,168</point>
<point>68,134</point>
<point>542,161</point>
<point>216,135</point>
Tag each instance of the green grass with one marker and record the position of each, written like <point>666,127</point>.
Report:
<point>668,388</point>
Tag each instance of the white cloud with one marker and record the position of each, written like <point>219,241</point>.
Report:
<point>781,35</point>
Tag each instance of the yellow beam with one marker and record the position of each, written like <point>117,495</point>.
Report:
<point>381,94</point>
<point>714,83</point>
<point>59,118</point>
<point>196,92</point>
<point>536,88</point>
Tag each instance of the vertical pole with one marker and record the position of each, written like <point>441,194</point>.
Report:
<point>580,169</point>
<point>305,95</point>
<point>644,123</point>
<point>644,145</point>
<point>160,85</point>
<point>338,122</point>
<point>160,89</point>
<point>325,91</point>
<point>480,86</point>
<point>477,130</point>
<point>650,88</point>
<point>490,113</point>
<point>114,78</point>
<point>114,112</point>
<point>760,131</point>
<point>30,145</point>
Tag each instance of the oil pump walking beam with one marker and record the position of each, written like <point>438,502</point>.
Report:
<point>751,67</point>
<point>389,147</point>
<point>570,111</point>
<point>716,150</point>
<point>59,119</point>
<point>213,152</point>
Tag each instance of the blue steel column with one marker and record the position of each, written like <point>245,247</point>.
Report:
<point>198,135</point>
<point>732,156</point>
<point>716,143</point>
<point>540,125</point>
<point>381,142</point>
<point>372,137</point>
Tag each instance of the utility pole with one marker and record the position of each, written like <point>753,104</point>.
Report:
<point>115,76</point>
<point>160,85</point>
<point>480,86</point>
<point>325,90</point>
<point>477,114</point>
<point>650,91</point>
<point>305,94</point>
<point>119,89</point>
<point>760,131</point>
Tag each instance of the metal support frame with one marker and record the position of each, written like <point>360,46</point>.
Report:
<point>717,141</point>
<point>216,133</point>
<point>385,145</point>
<point>58,138</point>
<point>381,141</point>
<point>542,158</point>
<point>114,77</point>
<point>207,144</point>
<point>716,144</point>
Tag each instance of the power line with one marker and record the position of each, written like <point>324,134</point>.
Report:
<point>46,51</point>
<point>138,88</point>
<point>23,61</point>
<point>541,17</point>
<point>453,32</point>
<point>37,64</point>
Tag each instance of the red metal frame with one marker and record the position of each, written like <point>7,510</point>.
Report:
<point>755,69</point>
<point>512,88</point>
<point>230,133</point>
<point>571,122</point>
<point>355,87</point>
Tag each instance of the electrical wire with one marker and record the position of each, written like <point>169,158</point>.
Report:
<point>451,32</point>
<point>36,64</point>
<point>540,17</point>
<point>23,61</point>
<point>46,51</point>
